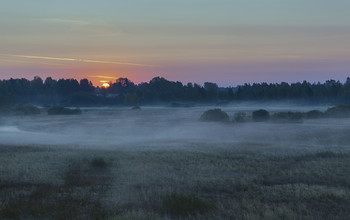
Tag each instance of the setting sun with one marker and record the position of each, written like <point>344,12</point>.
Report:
<point>105,85</point>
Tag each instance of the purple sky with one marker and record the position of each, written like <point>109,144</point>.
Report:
<point>227,42</point>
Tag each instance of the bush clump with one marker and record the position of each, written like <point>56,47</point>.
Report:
<point>59,110</point>
<point>215,115</point>
<point>181,205</point>
<point>313,114</point>
<point>26,110</point>
<point>339,111</point>
<point>136,107</point>
<point>261,115</point>
<point>287,117</point>
<point>240,117</point>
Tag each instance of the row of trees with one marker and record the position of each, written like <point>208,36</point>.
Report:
<point>158,90</point>
<point>331,90</point>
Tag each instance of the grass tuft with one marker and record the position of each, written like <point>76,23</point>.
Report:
<point>180,205</point>
<point>98,162</point>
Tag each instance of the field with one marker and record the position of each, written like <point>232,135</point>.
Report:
<point>163,163</point>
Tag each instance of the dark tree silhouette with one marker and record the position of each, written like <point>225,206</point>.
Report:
<point>160,90</point>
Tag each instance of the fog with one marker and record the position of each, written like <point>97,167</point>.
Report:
<point>163,127</point>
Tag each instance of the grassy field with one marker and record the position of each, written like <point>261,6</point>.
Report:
<point>162,163</point>
<point>197,181</point>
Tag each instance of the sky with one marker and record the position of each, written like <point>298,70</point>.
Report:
<point>228,42</point>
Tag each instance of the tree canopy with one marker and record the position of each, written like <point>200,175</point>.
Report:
<point>159,90</point>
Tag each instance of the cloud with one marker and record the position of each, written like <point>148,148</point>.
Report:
<point>65,21</point>
<point>95,27</point>
<point>74,60</point>
<point>23,61</point>
<point>105,77</point>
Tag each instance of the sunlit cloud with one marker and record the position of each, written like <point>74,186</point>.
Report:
<point>75,60</point>
<point>104,77</point>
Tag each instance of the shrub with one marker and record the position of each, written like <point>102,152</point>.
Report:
<point>215,115</point>
<point>338,111</point>
<point>288,117</point>
<point>26,110</point>
<point>314,114</point>
<point>136,108</point>
<point>59,110</point>
<point>181,205</point>
<point>240,117</point>
<point>261,115</point>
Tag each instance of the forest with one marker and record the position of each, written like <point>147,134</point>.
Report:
<point>71,92</point>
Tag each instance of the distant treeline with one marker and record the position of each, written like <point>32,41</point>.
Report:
<point>160,90</point>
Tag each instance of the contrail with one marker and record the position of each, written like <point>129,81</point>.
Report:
<point>74,60</point>
<point>21,61</point>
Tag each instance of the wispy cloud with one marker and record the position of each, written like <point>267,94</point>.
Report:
<point>74,60</point>
<point>104,77</point>
<point>65,21</point>
<point>93,27</point>
<point>31,62</point>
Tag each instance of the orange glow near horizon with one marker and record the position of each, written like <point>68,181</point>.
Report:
<point>105,85</point>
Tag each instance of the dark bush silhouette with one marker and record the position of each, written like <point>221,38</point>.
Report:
<point>314,114</point>
<point>287,117</point>
<point>136,108</point>
<point>59,110</point>
<point>339,111</point>
<point>19,110</point>
<point>26,110</point>
<point>261,115</point>
<point>240,117</point>
<point>215,115</point>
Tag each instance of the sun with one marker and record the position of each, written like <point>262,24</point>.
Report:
<point>106,85</point>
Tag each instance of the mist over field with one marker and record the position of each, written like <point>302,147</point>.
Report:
<point>160,162</point>
<point>171,110</point>
<point>164,126</point>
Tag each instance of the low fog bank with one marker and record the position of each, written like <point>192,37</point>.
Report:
<point>166,127</point>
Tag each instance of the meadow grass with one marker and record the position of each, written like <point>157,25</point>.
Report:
<point>197,181</point>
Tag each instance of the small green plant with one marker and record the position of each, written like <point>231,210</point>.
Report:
<point>98,162</point>
<point>180,205</point>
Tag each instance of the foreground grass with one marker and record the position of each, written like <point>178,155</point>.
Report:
<point>232,181</point>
